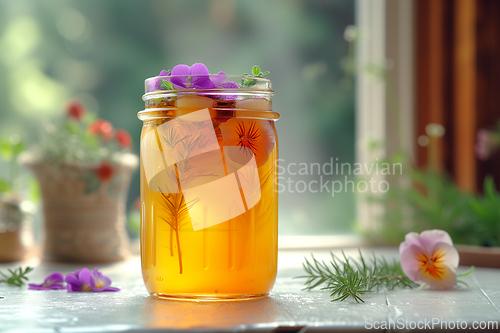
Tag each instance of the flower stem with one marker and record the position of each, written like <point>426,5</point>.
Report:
<point>171,242</point>
<point>178,250</point>
<point>178,201</point>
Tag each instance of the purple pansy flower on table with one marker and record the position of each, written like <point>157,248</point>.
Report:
<point>86,280</point>
<point>53,281</point>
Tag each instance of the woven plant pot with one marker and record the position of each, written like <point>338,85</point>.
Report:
<point>84,216</point>
<point>12,247</point>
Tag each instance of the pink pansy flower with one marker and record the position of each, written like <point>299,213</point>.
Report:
<point>486,144</point>
<point>430,258</point>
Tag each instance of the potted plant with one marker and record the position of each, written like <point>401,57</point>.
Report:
<point>430,199</point>
<point>83,166</point>
<point>15,210</point>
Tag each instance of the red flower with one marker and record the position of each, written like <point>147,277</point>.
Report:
<point>104,172</point>
<point>75,110</point>
<point>123,138</point>
<point>102,128</point>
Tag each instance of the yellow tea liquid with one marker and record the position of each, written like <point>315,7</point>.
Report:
<point>235,259</point>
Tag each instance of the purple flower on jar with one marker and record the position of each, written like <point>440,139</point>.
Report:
<point>229,85</point>
<point>154,84</point>
<point>197,76</point>
<point>86,280</point>
<point>218,79</point>
<point>51,282</point>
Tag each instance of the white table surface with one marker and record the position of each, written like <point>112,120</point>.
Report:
<point>287,309</point>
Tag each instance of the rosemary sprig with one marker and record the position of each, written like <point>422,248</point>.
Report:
<point>17,276</point>
<point>345,277</point>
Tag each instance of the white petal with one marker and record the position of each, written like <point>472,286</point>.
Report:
<point>450,254</point>
<point>447,277</point>
<point>410,239</point>
<point>410,262</point>
<point>429,238</point>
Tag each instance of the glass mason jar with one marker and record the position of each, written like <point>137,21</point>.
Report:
<point>209,200</point>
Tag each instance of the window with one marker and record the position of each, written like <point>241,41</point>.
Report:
<point>101,52</point>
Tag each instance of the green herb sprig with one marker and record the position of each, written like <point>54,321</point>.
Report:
<point>166,85</point>
<point>345,277</point>
<point>17,276</point>
<point>256,72</point>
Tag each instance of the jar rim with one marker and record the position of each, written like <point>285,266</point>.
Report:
<point>248,83</point>
<point>165,113</point>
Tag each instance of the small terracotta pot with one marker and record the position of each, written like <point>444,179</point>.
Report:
<point>11,222</point>
<point>84,216</point>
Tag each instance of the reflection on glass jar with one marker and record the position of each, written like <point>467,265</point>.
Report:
<point>209,212</point>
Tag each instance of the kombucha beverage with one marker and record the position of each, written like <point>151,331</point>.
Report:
<point>209,215</point>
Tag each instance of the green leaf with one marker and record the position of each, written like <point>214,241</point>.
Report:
<point>17,148</point>
<point>134,222</point>
<point>92,184</point>
<point>17,276</point>
<point>489,187</point>
<point>6,150</point>
<point>467,272</point>
<point>166,85</point>
<point>89,117</point>
<point>4,186</point>
<point>91,141</point>
<point>256,70</point>
<point>34,192</point>
<point>72,127</point>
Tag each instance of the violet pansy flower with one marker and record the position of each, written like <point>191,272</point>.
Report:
<point>229,85</point>
<point>197,76</point>
<point>218,79</point>
<point>185,77</point>
<point>154,84</point>
<point>430,258</point>
<point>53,281</point>
<point>86,280</point>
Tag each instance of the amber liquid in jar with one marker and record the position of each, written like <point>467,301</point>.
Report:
<point>209,219</point>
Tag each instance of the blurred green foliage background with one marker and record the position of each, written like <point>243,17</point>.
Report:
<point>100,51</point>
